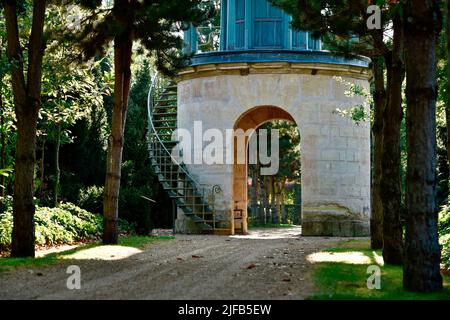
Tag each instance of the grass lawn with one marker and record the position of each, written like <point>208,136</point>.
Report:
<point>138,242</point>
<point>341,273</point>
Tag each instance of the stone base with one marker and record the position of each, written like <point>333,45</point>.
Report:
<point>335,228</point>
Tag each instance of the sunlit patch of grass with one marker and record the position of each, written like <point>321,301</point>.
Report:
<point>343,257</point>
<point>344,280</point>
<point>137,242</point>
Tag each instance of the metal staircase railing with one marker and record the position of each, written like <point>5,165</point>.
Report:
<point>196,202</point>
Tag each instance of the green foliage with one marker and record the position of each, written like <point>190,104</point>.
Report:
<point>444,232</point>
<point>442,109</point>
<point>5,173</point>
<point>83,161</point>
<point>6,226</point>
<point>7,118</point>
<point>269,193</point>
<point>64,225</point>
<point>156,25</point>
<point>91,199</point>
<point>289,149</point>
<point>358,113</point>
<point>208,32</point>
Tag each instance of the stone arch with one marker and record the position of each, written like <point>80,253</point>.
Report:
<point>251,119</point>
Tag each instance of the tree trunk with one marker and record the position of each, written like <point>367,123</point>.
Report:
<point>122,67</point>
<point>254,194</point>
<point>421,270</point>
<point>283,208</point>
<point>298,204</point>
<point>283,202</point>
<point>390,183</point>
<point>273,201</point>
<point>259,193</point>
<point>57,169</point>
<point>264,204</point>
<point>27,103</point>
<point>376,221</point>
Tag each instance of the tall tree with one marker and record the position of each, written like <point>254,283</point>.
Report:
<point>422,252</point>
<point>379,98</point>
<point>156,25</point>
<point>27,91</point>
<point>390,182</point>
<point>339,22</point>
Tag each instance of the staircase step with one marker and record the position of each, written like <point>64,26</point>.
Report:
<point>165,120</point>
<point>170,90</point>
<point>167,98</point>
<point>186,189</point>
<point>172,142</point>
<point>166,128</point>
<point>164,114</point>
<point>163,156</point>
<point>162,140</point>
<point>158,171</point>
<point>164,135</point>
<point>166,101</point>
<point>159,108</point>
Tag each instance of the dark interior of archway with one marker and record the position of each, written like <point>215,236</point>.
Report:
<point>253,119</point>
<point>275,200</point>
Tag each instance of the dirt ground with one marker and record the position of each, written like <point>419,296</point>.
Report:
<point>267,264</point>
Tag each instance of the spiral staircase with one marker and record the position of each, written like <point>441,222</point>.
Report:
<point>196,202</point>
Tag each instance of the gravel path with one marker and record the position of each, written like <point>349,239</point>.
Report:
<point>267,264</point>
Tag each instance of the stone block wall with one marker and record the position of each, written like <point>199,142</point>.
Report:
<point>335,151</point>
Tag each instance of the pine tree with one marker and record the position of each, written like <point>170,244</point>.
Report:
<point>421,270</point>
<point>339,23</point>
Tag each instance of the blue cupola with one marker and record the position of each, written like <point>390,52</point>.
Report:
<point>252,25</point>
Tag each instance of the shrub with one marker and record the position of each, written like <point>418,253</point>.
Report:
<point>6,203</point>
<point>6,225</point>
<point>64,225</point>
<point>91,199</point>
<point>444,233</point>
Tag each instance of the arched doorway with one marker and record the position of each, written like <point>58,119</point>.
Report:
<point>250,120</point>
